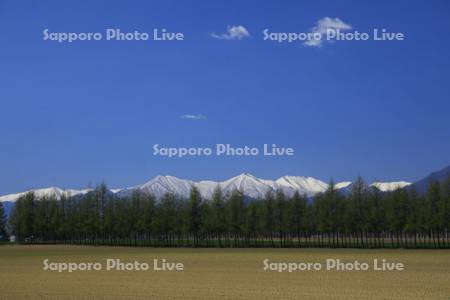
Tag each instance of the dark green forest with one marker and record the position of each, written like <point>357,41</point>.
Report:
<point>362,218</point>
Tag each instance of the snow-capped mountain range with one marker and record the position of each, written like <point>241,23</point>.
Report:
<point>250,185</point>
<point>53,191</point>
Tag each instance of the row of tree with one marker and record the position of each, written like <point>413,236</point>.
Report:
<point>3,224</point>
<point>364,217</point>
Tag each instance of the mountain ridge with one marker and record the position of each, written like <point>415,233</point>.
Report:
<point>251,186</point>
<point>421,185</point>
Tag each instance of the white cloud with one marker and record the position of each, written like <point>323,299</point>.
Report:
<point>233,33</point>
<point>193,117</point>
<point>323,26</point>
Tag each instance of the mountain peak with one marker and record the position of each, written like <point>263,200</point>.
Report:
<point>246,175</point>
<point>250,185</point>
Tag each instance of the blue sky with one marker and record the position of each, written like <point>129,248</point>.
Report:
<point>79,113</point>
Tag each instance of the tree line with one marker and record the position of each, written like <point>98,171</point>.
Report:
<point>365,217</point>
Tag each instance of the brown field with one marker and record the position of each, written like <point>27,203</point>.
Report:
<point>221,274</point>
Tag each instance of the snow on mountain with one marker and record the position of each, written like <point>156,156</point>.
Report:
<point>250,185</point>
<point>304,185</point>
<point>343,185</point>
<point>161,185</point>
<point>51,191</point>
<point>390,186</point>
<point>207,187</point>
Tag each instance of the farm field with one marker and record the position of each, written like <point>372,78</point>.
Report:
<point>221,274</point>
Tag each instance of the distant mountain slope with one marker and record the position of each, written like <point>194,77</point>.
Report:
<point>8,207</point>
<point>422,185</point>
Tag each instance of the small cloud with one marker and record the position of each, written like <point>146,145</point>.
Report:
<point>233,33</point>
<point>323,26</point>
<point>193,117</point>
